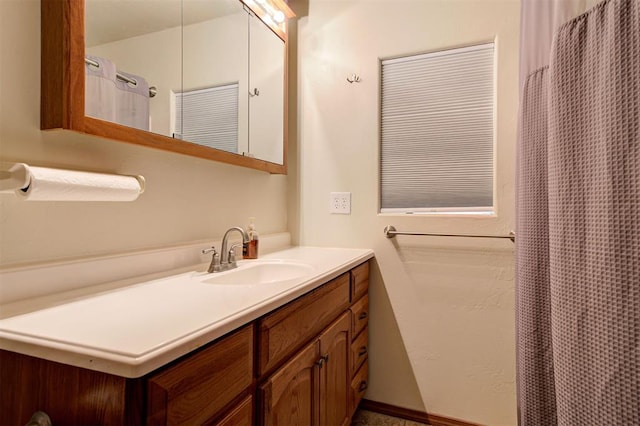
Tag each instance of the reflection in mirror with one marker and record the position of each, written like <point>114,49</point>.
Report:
<point>139,40</point>
<point>212,109</point>
<point>190,70</point>
<point>266,102</point>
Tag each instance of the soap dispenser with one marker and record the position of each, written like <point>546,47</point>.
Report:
<point>250,249</point>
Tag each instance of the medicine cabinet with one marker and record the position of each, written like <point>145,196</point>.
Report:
<point>205,78</point>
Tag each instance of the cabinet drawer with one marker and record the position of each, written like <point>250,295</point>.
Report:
<point>359,316</point>
<point>288,328</point>
<point>241,414</point>
<point>194,390</point>
<point>359,350</point>
<point>359,385</point>
<point>359,281</point>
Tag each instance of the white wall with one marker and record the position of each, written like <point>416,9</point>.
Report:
<point>186,199</point>
<point>452,300</point>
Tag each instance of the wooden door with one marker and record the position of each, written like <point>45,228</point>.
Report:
<point>335,348</point>
<point>290,396</point>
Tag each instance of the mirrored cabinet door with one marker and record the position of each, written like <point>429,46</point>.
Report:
<point>266,103</point>
<point>212,110</point>
<point>133,62</point>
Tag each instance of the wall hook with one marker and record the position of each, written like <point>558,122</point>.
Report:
<point>355,78</point>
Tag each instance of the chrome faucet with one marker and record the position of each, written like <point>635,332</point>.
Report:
<point>228,258</point>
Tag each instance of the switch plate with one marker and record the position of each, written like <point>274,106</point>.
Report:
<point>340,203</point>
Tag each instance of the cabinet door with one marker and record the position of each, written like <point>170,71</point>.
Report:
<point>335,347</point>
<point>290,396</point>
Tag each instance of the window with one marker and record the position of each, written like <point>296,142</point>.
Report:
<point>208,117</point>
<point>437,121</point>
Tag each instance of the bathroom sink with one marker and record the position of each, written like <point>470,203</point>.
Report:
<point>259,273</point>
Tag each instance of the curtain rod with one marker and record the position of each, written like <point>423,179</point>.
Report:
<point>390,232</point>
<point>152,89</point>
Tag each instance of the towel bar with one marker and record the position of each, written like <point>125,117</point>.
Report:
<point>390,232</point>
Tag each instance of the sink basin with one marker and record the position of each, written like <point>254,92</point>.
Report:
<point>259,273</point>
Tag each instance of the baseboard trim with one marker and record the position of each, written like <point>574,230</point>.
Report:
<point>413,415</point>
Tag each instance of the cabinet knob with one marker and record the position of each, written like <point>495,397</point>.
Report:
<point>322,360</point>
<point>39,418</point>
<point>363,315</point>
<point>362,351</point>
<point>363,386</point>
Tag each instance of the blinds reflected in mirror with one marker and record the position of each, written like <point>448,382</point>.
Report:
<point>437,126</point>
<point>208,117</point>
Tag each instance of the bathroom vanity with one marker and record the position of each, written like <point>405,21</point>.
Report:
<point>298,356</point>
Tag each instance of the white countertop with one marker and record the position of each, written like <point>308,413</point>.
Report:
<point>130,330</point>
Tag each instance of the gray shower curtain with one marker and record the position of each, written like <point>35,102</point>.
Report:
<point>578,225</point>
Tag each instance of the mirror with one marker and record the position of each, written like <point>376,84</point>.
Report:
<point>213,108</point>
<point>199,77</point>
<point>266,108</point>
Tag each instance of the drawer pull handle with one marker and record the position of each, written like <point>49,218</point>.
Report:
<point>363,315</point>
<point>363,386</point>
<point>362,351</point>
<point>322,360</point>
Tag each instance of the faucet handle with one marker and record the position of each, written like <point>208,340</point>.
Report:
<point>214,266</point>
<point>209,250</point>
<point>232,255</point>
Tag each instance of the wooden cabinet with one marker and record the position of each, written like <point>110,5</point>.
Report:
<point>197,389</point>
<point>359,367</point>
<point>290,395</point>
<point>240,415</point>
<point>359,281</point>
<point>335,373</point>
<point>313,387</point>
<point>69,395</point>
<point>336,379</point>
<point>303,364</point>
<point>289,327</point>
<point>360,315</point>
<point>359,385</point>
<point>359,350</point>
<point>200,388</point>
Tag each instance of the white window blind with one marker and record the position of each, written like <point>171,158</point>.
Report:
<point>209,116</point>
<point>437,131</point>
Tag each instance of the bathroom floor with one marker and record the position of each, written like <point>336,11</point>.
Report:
<point>369,418</point>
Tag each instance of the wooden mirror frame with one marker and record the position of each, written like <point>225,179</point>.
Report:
<point>62,101</point>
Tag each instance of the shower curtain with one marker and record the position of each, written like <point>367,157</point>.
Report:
<point>132,102</point>
<point>100,91</point>
<point>110,98</point>
<point>578,224</point>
